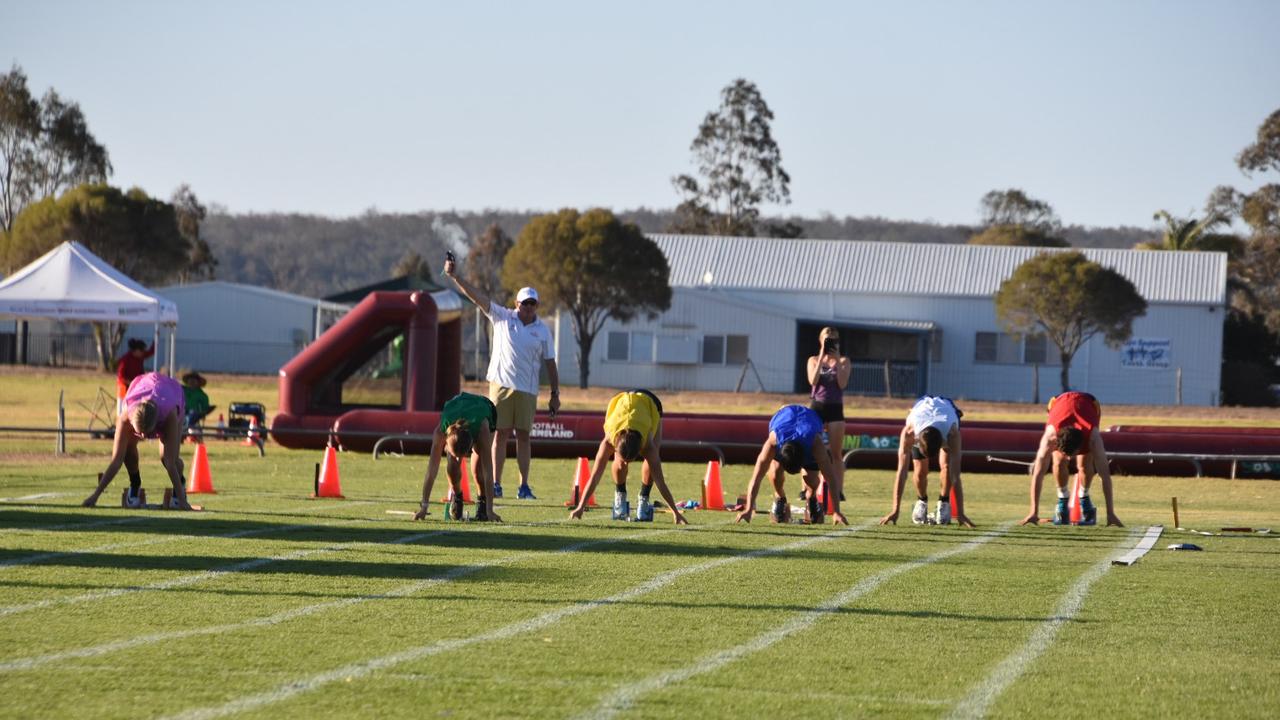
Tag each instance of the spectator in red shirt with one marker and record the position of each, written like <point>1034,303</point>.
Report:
<point>131,365</point>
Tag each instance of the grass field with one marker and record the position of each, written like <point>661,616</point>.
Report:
<point>269,604</point>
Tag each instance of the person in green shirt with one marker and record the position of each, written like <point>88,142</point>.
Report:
<point>466,426</point>
<point>197,401</point>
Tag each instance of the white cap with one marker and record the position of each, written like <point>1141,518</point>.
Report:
<point>527,293</point>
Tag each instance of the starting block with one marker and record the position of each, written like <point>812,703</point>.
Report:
<point>168,504</point>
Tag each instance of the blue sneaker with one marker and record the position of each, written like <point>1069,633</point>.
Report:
<point>1088,513</point>
<point>644,513</point>
<point>497,490</point>
<point>524,493</point>
<point>1061,516</point>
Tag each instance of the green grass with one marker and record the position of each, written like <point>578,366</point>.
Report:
<point>1179,634</point>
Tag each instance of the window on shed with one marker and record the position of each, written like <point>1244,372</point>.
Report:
<point>736,349</point>
<point>989,347</point>
<point>618,346</point>
<point>1039,350</point>
<point>712,349</point>
<point>641,347</point>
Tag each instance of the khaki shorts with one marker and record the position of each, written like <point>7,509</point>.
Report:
<point>515,408</point>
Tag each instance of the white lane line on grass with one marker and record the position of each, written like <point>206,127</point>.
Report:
<point>77,526</point>
<point>368,667</point>
<point>980,698</point>
<point>405,590</point>
<point>37,496</point>
<point>41,557</point>
<point>622,698</point>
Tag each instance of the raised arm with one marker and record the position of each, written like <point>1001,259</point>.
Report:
<point>815,368</point>
<point>473,293</point>
<point>763,460</point>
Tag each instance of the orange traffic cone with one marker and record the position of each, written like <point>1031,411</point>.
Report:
<point>200,481</point>
<point>252,438</point>
<point>955,509</point>
<point>712,493</point>
<point>581,479</point>
<point>466,486</point>
<point>327,483</point>
<point>1074,503</point>
<point>824,497</point>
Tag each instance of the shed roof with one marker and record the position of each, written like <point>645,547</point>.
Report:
<point>929,269</point>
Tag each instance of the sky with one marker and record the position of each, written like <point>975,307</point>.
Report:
<point>906,110</point>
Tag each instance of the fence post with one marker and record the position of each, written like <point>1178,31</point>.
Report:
<point>60,448</point>
<point>1178,377</point>
<point>888,381</point>
<point>1035,378</point>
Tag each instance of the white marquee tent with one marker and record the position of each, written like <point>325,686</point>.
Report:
<point>71,283</point>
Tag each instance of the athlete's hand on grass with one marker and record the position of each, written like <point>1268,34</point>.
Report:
<point>890,519</point>
<point>494,517</point>
<point>576,513</point>
<point>838,518</point>
<point>964,521</point>
<point>90,501</point>
<point>679,517</point>
<point>1113,521</point>
<point>745,515</point>
<point>423,511</point>
<point>1031,519</point>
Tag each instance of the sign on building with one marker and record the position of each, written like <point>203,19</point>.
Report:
<point>1146,353</point>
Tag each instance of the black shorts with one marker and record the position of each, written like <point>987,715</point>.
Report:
<point>656,402</point>
<point>828,412</point>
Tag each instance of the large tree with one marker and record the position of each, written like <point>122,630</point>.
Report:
<point>136,234</point>
<point>593,266</point>
<point>1070,299</point>
<point>1011,217</point>
<point>739,168</point>
<point>45,147</point>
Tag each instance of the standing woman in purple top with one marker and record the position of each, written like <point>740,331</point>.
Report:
<point>829,375</point>
<point>154,408</point>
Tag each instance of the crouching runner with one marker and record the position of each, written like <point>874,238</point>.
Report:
<point>1072,432</point>
<point>153,408</point>
<point>466,428</point>
<point>632,431</point>
<point>795,444</point>
<point>931,434</point>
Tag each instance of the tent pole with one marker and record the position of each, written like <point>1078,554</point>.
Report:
<point>155,341</point>
<point>173,348</point>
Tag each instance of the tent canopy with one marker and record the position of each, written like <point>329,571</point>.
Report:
<point>71,283</point>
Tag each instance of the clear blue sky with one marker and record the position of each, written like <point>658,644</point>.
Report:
<point>1108,110</point>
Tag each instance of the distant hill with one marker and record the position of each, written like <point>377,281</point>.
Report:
<point>317,256</point>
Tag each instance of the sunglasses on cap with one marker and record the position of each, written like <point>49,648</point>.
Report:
<point>529,303</point>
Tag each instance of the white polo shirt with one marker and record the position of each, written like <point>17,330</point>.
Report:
<point>519,350</point>
<point>930,411</point>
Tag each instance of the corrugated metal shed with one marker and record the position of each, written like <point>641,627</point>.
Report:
<point>925,269</point>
